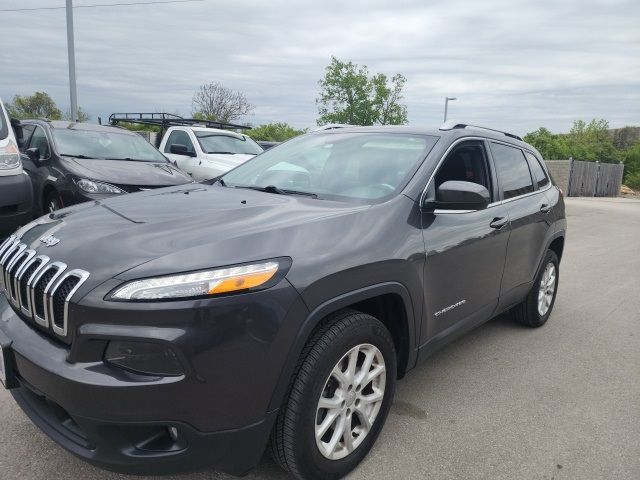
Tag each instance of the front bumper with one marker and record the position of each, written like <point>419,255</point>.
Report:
<point>120,421</point>
<point>16,203</point>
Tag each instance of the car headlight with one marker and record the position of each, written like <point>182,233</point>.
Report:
<point>91,186</point>
<point>198,284</point>
<point>9,156</point>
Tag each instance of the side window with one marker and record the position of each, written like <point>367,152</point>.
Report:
<point>39,141</point>
<point>27,130</point>
<point>179,137</point>
<point>537,171</point>
<point>512,169</point>
<point>467,162</point>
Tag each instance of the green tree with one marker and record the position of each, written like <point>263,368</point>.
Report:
<point>38,105</point>
<point>82,115</point>
<point>592,142</point>
<point>349,95</point>
<point>550,146</point>
<point>632,167</point>
<point>274,132</point>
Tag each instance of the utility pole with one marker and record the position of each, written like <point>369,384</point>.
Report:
<point>72,63</point>
<point>446,106</point>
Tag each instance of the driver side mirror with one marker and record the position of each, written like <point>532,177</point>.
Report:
<point>33,154</point>
<point>179,149</point>
<point>459,195</point>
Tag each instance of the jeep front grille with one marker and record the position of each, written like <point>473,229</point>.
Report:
<point>41,290</point>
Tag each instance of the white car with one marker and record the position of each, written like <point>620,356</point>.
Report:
<point>205,152</point>
<point>16,195</point>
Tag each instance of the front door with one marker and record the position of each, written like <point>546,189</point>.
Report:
<point>186,163</point>
<point>465,249</point>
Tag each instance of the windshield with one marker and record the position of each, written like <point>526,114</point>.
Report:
<point>105,145</point>
<point>362,166</point>
<point>230,144</point>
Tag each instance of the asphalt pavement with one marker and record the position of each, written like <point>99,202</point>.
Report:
<point>504,402</point>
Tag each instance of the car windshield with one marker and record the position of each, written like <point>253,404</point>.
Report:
<point>364,166</point>
<point>229,144</point>
<point>105,145</point>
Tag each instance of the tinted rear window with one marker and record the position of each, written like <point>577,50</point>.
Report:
<point>513,170</point>
<point>537,171</point>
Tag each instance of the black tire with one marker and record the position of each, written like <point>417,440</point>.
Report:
<point>527,313</point>
<point>51,202</point>
<point>293,444</point>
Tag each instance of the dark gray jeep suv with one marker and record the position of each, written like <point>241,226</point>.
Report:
<point>277,305</point>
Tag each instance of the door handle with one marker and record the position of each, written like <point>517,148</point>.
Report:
<point>498,222</point>
<point>545,208</point>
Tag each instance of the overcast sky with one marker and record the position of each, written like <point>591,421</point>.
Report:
<point>515,65</point>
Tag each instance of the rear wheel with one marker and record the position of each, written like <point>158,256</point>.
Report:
<point>535,310</point>
<point>338,399</point>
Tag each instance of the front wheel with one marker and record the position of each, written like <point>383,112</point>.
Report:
<point>338,399</point>
<point>535,310</point>
<point>52,202</point>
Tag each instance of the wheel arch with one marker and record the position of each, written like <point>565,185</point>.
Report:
<point>387,300</point>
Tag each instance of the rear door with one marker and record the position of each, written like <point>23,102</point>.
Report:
<point>527,208</point>
<point>465,249</point>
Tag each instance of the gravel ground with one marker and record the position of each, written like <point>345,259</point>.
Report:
<point>504,402</point>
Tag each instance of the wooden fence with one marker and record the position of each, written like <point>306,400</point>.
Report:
<point>587,179</point>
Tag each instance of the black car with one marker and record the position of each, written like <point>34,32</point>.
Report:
<point>190,326</point>
<point>71,163</point>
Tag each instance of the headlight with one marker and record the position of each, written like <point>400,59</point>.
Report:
<point>91,186</point>
<point>198,284</point>
<point>9,156</point>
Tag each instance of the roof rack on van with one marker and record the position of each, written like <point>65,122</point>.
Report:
<point>165,120</point>
<point>452,125</point>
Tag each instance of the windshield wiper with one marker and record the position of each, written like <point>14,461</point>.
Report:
<point>277,190</point>
<point>78,156</point>
<point>129,159</point>
<point>222,153</point>
<point>213,181</point>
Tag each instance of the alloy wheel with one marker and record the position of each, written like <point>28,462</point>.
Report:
<point>350,401</point>
<point>547,289</point>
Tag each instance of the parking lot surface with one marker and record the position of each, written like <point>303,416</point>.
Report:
<point>504,402</point>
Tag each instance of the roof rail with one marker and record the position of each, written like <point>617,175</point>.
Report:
<point>165,120</point>
<point>333,126</point>
<point>452,125</point>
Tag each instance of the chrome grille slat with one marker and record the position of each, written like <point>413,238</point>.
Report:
<point>25,303</point>
<point>23,259</point>
<point>59,267</point>
<point>11,260</point>
<point>9,249</point>
<point>82,276</point>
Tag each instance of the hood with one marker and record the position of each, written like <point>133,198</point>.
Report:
<point>185,228</point>
<point>124,172</point>
<point>225,162</point>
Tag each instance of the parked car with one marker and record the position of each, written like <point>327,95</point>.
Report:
<point>205,152</point>
<point>71,163</point>
<point>168,330</point>
<point>15,187</point>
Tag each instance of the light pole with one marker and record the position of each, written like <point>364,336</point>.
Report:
<point>72,62</point>
<point>446,104</point>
